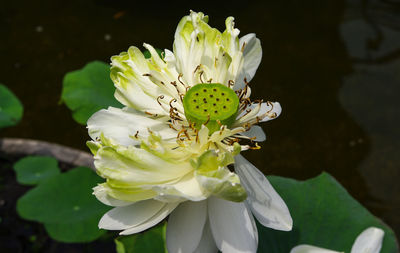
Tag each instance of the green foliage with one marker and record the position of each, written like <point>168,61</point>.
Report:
<point>32,170</point>
<point>11,108</point>
<point>324,215</point>
<point>152,240</point>
<point>66,206</point>
<point>88,90</point>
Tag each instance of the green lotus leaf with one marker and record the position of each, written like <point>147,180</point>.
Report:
<point>66,206</point>
<point>78,231</point>
<point>324,215</point>
<point>88,90</point>
<point>11,109</point>
<point>32,170</point>
<point>152,240</point>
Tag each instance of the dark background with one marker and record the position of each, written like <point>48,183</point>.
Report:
<point>333,65</point>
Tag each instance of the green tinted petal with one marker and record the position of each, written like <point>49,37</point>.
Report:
<point>223,184</point>
<point>136,166</point>
<point>230,38</point>
<point>93,146</point>
<point>217,179</point>
<point>133,194</point>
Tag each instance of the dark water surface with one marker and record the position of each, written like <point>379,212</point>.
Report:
<point>333,65</point>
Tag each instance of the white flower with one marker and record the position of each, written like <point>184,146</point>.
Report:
<point>170,147</point>
<point>369,241</point>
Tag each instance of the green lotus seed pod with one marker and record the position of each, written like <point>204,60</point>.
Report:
<point>211,104</point>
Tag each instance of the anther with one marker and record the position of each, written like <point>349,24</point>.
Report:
<point>158,99</point>
<point>270,104</point>
<point>243,46</point>
<point>201,75</point>
<point>197,68</point>
<point>179,79</point>
<point>208,120</point>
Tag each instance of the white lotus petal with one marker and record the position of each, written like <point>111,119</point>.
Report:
<point>252,55</point>
<point>369,241</point>
<point>185,226</point>
<point>119,124</point>
<point>137,167</point>
<point>187,188</point>
<point>265,203</point>
<point>130,73</point>
<point>255,132</point>
<point>169,57</point>
<point>121,194</point>
<point>310,249</point>
<point>207,243</point>
<point>232,226</point>
<point>158,217</point>
<point>128,216</point>
<point>272,108</point>
<point>267,111</point>
<point>101,194</point>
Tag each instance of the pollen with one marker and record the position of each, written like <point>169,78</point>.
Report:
<point>211,104</point>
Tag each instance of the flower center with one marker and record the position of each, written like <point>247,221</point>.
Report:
<point>211,104</point>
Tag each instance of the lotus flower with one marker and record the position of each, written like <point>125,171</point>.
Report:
<point>174,149</point>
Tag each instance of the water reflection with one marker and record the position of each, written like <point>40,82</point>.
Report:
<point>310,48</point>
<point>304,63</point>
<point>370,94</point>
